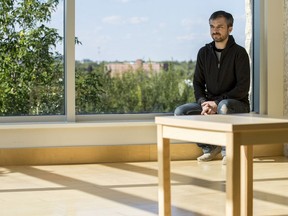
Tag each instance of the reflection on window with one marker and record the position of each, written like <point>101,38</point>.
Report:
<point>31,70</point>
<point>139,56</point>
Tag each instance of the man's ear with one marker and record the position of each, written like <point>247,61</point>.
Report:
<point>230,29</point>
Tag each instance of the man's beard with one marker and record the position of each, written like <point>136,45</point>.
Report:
<point>219,37</point>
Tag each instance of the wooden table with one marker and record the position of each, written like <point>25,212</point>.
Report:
<point>238,133</point>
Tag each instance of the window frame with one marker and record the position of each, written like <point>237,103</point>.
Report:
<point>69,76</point>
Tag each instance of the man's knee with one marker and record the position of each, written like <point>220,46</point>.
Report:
<point>178,111</point>
<point>188,109</point>
<point>223,107</point>
<point>228,106</point>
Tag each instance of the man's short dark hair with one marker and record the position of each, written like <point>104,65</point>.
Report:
<point>229,18</point>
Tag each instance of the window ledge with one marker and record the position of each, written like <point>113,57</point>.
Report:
<point>69,134</point>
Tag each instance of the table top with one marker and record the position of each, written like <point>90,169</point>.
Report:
<point>227,123</point>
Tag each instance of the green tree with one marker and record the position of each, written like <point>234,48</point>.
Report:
<point>31,74</point>
<point>89,88</point>
<point>137,91</point>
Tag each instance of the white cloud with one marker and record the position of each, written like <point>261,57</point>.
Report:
<point>137,20</point>
<point>162,25</point>
<point>116,20</point>
<point>193,23</point>
<point>127,1</point>
<point>188,37</point>
<point>123,1</point>
<point>187,22</point>
<point>128,36</point>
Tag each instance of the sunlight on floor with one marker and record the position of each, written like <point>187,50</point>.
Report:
<point>130,189</point>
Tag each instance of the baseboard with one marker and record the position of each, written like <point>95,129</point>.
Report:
<point>109,154</point>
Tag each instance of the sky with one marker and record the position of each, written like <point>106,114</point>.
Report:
<point>156,30</point>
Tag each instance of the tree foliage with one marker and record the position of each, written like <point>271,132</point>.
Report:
<point>89,89</point>
<point>31,74</point>
<point>137,91</point>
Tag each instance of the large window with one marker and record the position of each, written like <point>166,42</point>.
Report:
<point>131,56</point>
<point>139,56</point>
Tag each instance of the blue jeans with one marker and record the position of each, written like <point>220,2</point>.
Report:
<point>226,106</point>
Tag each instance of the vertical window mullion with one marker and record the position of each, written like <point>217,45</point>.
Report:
<point>69,53</point>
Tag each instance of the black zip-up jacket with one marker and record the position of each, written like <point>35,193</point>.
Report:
<point>227,79</point>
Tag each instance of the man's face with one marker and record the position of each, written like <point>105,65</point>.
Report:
<point>219,30</point>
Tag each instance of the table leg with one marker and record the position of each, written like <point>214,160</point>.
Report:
<point>247,180</point>
<point>164,189</point>
<point>232,175</point>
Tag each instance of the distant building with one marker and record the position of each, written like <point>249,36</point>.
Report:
<point>117,69</point>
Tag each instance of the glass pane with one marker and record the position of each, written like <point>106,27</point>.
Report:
<point>31,65</point>
<point>138,56</point>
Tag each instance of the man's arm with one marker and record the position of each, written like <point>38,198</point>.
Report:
<point>242,73</point>
<point>199,83</point>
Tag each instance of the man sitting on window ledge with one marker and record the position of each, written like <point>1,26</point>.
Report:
<point>221,79</point>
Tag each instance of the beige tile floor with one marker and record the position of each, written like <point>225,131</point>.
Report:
<point>130,189</point>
